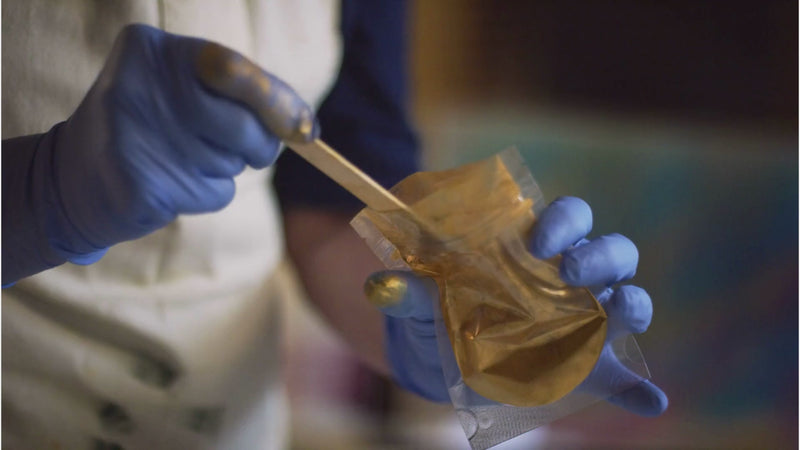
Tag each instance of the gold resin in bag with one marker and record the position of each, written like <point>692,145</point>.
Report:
<point>519,334</point>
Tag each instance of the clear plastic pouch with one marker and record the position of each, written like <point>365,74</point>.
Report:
<point>517,343</point>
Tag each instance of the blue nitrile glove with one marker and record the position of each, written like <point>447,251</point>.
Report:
<point>148,142</point>
<point>411,343</point>
<point>411,346</point>
<point>600,264</point>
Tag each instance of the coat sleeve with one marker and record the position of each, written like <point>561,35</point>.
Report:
<point>365,117</point>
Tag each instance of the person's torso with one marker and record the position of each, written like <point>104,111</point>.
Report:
<point>170,339</point>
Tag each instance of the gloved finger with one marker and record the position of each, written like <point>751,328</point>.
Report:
<point>561,224</point>
<point>644,399</point>
<point>206,186</point>
<point>211,159</point>
<point>236,133</point>
<point>194,154</point>
<point>629,310</point>
<point>611,380</point>
<point>402,294</point>
<point>228,123</point>
<point>603,261</point>
<point>279,108</point>
<point>203,194</point>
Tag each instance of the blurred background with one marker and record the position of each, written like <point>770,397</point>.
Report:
<point>677,121</point>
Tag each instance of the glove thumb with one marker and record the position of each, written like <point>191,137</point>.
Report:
<point>402,294</point>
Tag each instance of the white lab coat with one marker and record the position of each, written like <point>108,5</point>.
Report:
<point>170,341</point>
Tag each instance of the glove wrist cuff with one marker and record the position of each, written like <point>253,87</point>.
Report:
<point>63,237</point>
<point>38,234</point>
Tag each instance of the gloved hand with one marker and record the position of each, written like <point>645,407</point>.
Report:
<point>148,142</point>
<point>411,342</point>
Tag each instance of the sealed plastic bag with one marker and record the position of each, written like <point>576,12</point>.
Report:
<point>516,341</point>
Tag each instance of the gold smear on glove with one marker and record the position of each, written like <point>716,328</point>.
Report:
<point>520,335</point>
<point>383,291</point>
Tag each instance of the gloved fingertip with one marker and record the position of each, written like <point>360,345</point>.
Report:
<point>385,290</point>
<point>603,261</point>
<point>263,152</point>
<point>89,258</point>
<point>401,294</point>
<point>565,221</point>
<point>543,247</point>
<point>142,32</point>
<point>578,210</point>
<point>660,403</point>
<point>316,130</point>
<point>634,306</point>
<point>307,128</point>
<point>645,399</point>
